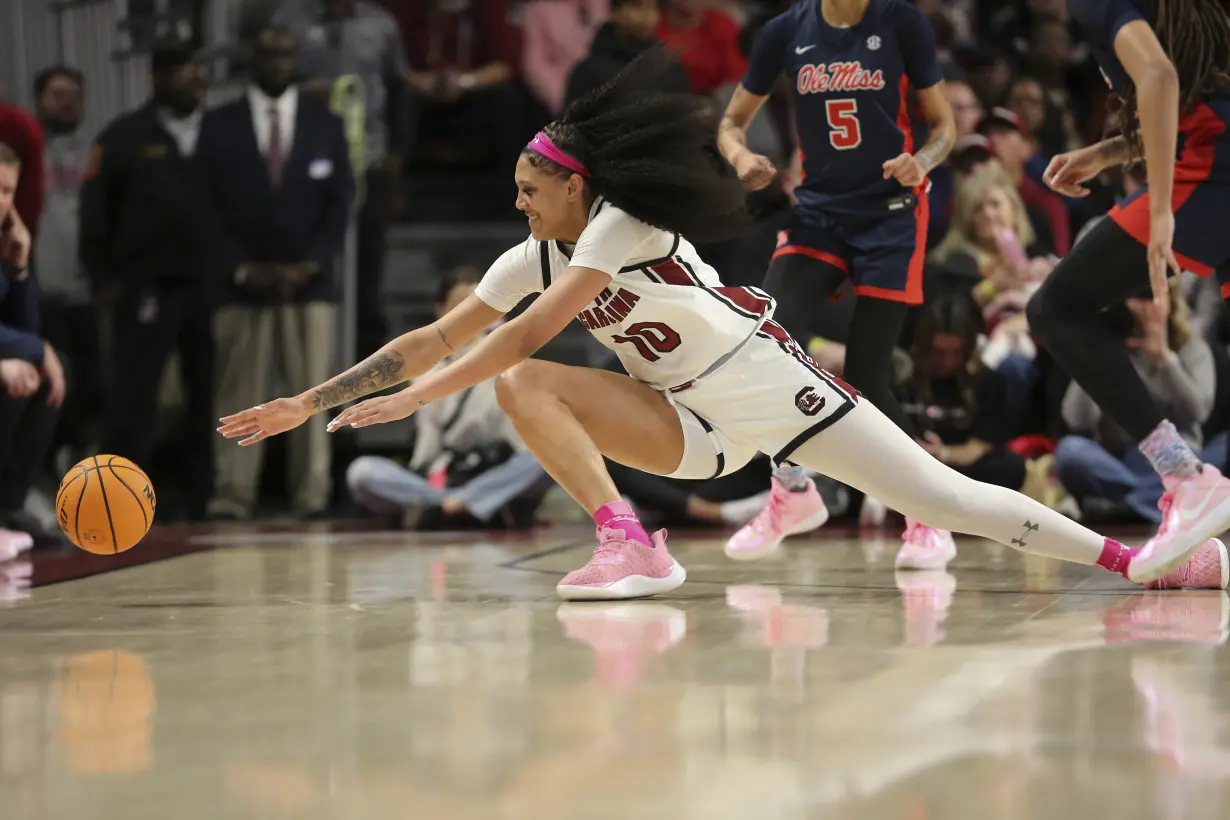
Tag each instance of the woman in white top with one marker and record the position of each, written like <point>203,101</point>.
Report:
<point>610,190</point>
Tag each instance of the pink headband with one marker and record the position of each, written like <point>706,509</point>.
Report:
<point>542,144</point>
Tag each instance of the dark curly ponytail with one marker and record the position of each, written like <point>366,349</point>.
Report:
<point>651,154</point>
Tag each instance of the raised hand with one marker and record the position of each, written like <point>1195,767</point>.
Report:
<point>265,420</point>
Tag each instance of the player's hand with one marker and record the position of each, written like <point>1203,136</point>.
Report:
<point>1161,257</point>
<point>378,410</point>
<point>755,171</point>
<point>1066,172</point>
<point>906,170</point>
<point>53,370</point>
<point>19,377</point>
<point>265,420</point>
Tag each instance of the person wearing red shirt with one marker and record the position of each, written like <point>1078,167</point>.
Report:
<point>706,41</point>
<point>20,131</point>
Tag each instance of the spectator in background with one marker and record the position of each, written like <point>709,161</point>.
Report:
<point>1010,140</point>
<point>1052,127</point>
<point>464,56</point>
<point>989,73</point>
<point>469,464</point>
<point>987,255</point>
<point>279,188</point>
<point>24,136</point>
<point>959,405</point>
<point>339,38</point>
<point>31,375</point>
<point>69,318</point>
<point>140,246</point>
<point>629,31</point>
<point>1100,460</point>
<point>707,42</point>
<point>558,34</point>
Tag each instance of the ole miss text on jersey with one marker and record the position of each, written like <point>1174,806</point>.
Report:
<point>851,91</point>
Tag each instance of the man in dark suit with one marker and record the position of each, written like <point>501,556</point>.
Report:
<point>139,244</point>
<point>279,193</point>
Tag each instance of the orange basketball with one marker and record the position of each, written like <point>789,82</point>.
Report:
<point>105,504</point>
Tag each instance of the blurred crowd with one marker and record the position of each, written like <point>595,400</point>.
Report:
<point>210,237</point>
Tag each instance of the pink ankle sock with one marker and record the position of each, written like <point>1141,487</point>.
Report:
<point>619,516</point>
<point>1116,557</point>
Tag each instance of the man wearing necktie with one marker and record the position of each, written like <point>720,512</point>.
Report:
<point>278,192</point>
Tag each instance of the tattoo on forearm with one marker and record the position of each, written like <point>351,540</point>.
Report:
<point>933,153</point>
<point>444,338</point>
<point>376,373</point>
<point>1115,150</point>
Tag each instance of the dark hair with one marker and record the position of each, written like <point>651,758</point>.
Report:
<point>1195,34</point>
<point>44,77</point>
<point>269,28</point>
<point>958,315</point>
<point>460,275</point>
<point>651,153</point>
<point>8,156</point>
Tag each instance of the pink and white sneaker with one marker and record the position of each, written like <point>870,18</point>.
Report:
<point>925,547</point>
<point>1194,509</point>
<point>786,513</point>
<point>1208,568</point>
<point>622,569</point>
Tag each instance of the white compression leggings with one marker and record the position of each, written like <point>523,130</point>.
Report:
<point>868,452</point>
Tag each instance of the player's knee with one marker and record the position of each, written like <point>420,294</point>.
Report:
<point>1037,312</point>
<point>359,473</point>
<point>516,385</point>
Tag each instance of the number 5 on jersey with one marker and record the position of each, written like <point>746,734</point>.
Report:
<point>844,132</point>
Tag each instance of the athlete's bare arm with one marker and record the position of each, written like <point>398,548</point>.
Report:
<point>732,130</point>
<point>507,346</point>
<point>754,170</point>
<point>1157,95</point>
<point>942,125</point>
<point>407,356</point>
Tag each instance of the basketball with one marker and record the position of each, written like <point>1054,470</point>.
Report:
<point>105,504</point>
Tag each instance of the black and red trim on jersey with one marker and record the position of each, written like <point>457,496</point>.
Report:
<point>750,303</point>
<point>773,331</point>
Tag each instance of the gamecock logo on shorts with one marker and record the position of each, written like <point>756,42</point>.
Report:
<point>809,401</point>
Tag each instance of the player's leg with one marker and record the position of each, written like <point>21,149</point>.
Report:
<point>867,451</point>
<point>1106,266</point>
<point>569,417</point>
<point>808,267</point>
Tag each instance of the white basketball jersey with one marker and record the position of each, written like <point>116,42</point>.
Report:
<point>665,313</point>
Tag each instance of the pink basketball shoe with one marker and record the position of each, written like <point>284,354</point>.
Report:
<point>925,547</point>
<point>622,569</point>
<point>1194,509</point>
<point>786,513</point>
<point>1208,568</point>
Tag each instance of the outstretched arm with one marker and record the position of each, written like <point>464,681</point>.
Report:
<point>509,345</point>
<point>404,358</point>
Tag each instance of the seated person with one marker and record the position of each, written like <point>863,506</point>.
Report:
<point>32,383</point>
<point>469,467</point>
<point>619,41</point>
<point>1099,462</point>
<point>958,401</point>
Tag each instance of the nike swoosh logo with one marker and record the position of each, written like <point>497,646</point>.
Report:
<point>803,50</point>
<point>1192,514</point>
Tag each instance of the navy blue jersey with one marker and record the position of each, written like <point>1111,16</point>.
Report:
<point>850,97</point>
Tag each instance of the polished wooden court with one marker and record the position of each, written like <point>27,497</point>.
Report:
<point>365,676</point>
